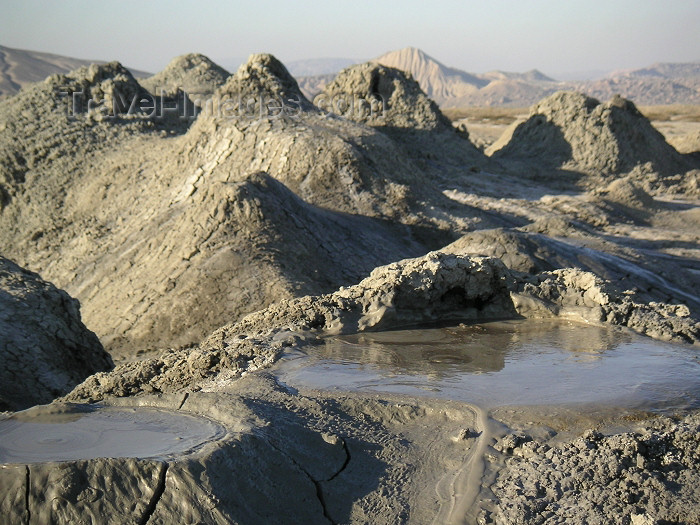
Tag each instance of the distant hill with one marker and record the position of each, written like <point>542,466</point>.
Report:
<point>19,67</point>
<point>660,83</point>
<point>440,82</point>
<point>313,85</point>
<point>451,87</point>
<point>529,76</point>
<point>677,70</point>
<point>645,91</point>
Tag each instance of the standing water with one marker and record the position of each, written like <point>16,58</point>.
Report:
<point>530,362</point>
<point>73,432</point>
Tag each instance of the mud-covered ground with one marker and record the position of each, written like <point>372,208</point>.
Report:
<point>201,250</point>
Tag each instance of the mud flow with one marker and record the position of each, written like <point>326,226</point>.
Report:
<point>75,432</point>
<point>506,363</point>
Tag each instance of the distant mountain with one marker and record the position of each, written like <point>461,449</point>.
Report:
<point>451,87</point>
<point>312,86</point>
<point>661,83</point>
<point>318,66</point>
<point>658,84</point>
<point>650,91</point>
<point>441,83</point>
<point>19,67</point>
<point>668,70</point>
<point>529,76</point>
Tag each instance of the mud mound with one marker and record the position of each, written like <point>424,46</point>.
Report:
<point>214,250</point>
<point>64,120</point>
<point>63,166</point>
<point>261,121</point>
<point>265,80</point>
<point>45,349</point>
<point>626,192</point>
<point>534,253</point>
<point>382,96</point>
<point>518,250</point>
<point>645,477</point>
<point>392,101</point>
<point>193,73</point>
<point>573,131</point>
<point>137,232</point>
<point>574,293</point>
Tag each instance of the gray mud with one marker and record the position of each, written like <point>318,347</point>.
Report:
<point>532,362</point>
<point>273,234</point>
<point>77,432</point>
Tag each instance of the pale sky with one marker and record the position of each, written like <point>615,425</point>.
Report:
<point>554,36</point>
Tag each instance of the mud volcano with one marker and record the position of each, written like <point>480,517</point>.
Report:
<point>77,432</point>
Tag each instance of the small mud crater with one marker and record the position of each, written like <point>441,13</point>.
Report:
<point>76,432</point>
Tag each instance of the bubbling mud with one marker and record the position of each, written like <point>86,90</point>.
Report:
<point>506,363</point>
<point>79,432</point>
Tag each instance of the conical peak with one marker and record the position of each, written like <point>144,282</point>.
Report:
<point>95,74</point>
<point>574,129</point>
<point>264,74</point>
<point>195,62</point>
<point>189,61</point>
<point>565,107</point>
<point>193,73</point>
<point>565,103</point>
<point>402,103</point>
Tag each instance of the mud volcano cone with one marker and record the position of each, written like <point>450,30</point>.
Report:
<point>193,73</point>
<point>393,96</point>
<point>577,132</point>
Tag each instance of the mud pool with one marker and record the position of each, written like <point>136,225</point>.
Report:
<point>505,363</point>
<point>75,432</point>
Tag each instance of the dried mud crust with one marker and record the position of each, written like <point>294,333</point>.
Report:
<point>644,477</point>
<point>437,286</point>
<point>349,458</point>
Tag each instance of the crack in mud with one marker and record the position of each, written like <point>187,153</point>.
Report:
<point>344,465</point>
<point>182,403</point>
<point>317,484</point>
<point>321,499</point>
<point>26,495</point>
<point>157,495</point>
